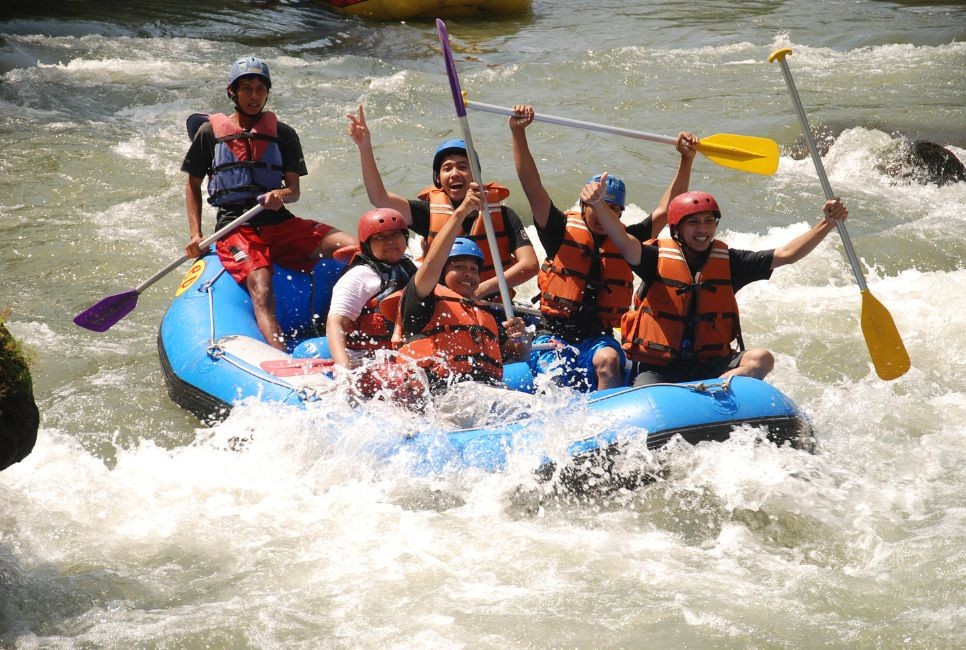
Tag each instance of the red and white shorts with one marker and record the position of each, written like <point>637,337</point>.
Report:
<point>289,244</point>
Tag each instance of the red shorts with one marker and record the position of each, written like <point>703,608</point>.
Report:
<point>289,244</point>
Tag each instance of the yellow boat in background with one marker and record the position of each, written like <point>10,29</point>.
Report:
<point>407,9</point>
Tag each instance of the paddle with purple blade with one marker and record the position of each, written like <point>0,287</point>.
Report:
<point>105,313</point>
<point>454,84</point>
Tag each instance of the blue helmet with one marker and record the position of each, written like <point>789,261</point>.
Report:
<point>249,65</point>
<point>448,147</point>
<point>464,247</point>
<point>614,192</point>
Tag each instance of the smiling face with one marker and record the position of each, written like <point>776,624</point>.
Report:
<point>462,275</point>
<point>455,176</point>
<point>697,231</point>
<point>389,246</point>
<point>250,95</point>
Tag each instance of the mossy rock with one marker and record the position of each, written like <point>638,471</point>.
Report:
<point>19,417</point>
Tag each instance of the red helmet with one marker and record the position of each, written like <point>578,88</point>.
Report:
<point>684,205</point>
<point>380,220</point>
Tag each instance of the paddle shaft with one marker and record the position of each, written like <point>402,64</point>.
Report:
<point>745,153</point>
<point>208,241</point>
<point>579,124</point>
<point>819,167</point>
<point>523,310</point>
<point>454,84</point>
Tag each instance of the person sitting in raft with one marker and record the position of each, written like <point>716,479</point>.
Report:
<point>355,327</point>
<point>585,283</point>
<point>244,155</point>
<point>442,329</point>
<point>685,317</point>
<point>434,206</point>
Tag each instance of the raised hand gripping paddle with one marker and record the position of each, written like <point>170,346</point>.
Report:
<point>105,313</point>
<point>742,152</point>
<point>888,353</point>
<point>454,84</point>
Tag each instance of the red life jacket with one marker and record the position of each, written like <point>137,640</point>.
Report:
<point>652,333</point>
<point>246,163</point>
<point>564,279</point>
<point>441,209</point>
<point>460,339</point>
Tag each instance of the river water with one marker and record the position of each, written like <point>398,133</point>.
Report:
<point>131,525</point>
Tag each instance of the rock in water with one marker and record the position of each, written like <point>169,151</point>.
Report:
<point>920,161</point>
<point>824,136</point>
<point>19,417</point>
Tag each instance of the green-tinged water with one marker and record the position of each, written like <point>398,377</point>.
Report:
<point>131,526</point>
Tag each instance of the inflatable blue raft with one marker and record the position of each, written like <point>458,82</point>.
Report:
<point>213,356</point>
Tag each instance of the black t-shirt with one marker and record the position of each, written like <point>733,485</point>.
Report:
<point>197,162</point>
<point>514,226</point>
<point>582,324</point>
<point>746,267</point>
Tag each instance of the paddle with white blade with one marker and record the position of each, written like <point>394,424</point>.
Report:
<point>888,353</point>
<point>106,312</point>
<point>742,152</point>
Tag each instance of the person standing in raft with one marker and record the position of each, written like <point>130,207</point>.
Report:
<point>452,175</point>
<point>355,327</point>
<point>244,155</point>
<point>441,328</point>
<point>585,283</point>
<point>685,317</point>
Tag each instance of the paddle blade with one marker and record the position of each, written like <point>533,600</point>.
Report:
<point>888,353</point>
<point>104,314</point>
<point>743,152</point>
<point>293,367</point>
<point>454,80</point>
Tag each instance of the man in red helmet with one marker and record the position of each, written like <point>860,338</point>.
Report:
<point>686,318</point>
<point>355,327</point>
<point>245,155</point>
<point>426,215</point>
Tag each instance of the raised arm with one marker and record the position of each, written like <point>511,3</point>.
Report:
<point>379,196</point>
<point>593,195</point>
<point>431,270</point>
<point>526,167</point>
<point>686,146</point>
<point>802,245</point>
<point>525,267</point>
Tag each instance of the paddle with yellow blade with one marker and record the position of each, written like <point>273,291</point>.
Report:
<point>742,152</point>
<point>888,353</point>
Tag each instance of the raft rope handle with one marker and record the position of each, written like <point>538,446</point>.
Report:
<point>700,387</point>
<point>214,350</point>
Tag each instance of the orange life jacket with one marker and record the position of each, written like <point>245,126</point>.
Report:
<point>460,339</point>
<point>441,209</point>
<point>372,330</point>
<point>652,332</point>
<point>564,279</point>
